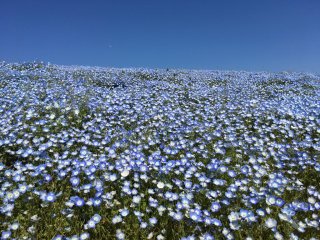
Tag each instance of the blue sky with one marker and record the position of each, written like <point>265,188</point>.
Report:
<point>271,35</point>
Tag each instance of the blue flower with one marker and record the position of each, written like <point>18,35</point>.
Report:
<point>97,202</point>
<point>120,235</point>
<point>50,197</point>
<point>215,207</point>
<point>188,184</point>
<point>91,224</point>
<point>216,222</point>
<point>124,212</point>
<point>96,218</point>
<point>254,200</point>
<point>75,181</point>
<point>261,212</point>
<point>58,237</point>
<point>153,220</point>
<point>78,201</point>
<point>280,202</point>
<point>271,200</point>
<point>207,236</point>
<point>84,236</point>
<point>195,216</point>
<point>5,234</point>
<point>178,216</point>
<point>191,237</point>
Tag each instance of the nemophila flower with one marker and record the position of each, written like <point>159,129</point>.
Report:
<point>254,200</point>
<point>18,178</point>
<point>74,181</point>
<point>215,207</point>
<point>5,235</point>
<point>90,224</point>
<point>245,169</point>
<point>284,217</point>
<point>311,200</point>
<point>233,216</point>
<point>168,195</point>
<point>303,206</point>
<point>134,191</point>
<point>288,211</point>
<point>160,185</point>
<point>191,237</point>
<point>2,166</point>
<point>47,177</point>
<point>244,213</point>
<point>74,237</point>
<point>136,199</point>
<point>58,237</point>
<point>16,193</point>
<point>62,174</point>
<point>84,236</point>
<point>161,209</point>
<point>125,173</point>
<point>153,220</point>
<point>232,173</point>
<point>50,197</point>
<point>185,201</point>
<point>86,187</point>
<point>120,235</point>
<point>216,222</point>
<point>96,201</point>
<point>271,200</point>
<point>116,219</point>
<point>223,169</point>
<point>207,220</point>
<point>14,226</point>
<point>271,223</point>
<point>143,225</point>
<point>188,184</point>
<point>113,177</point>
<point>294,237</point>
<point>195,216</point>
<point>177,216</point>
<point>160,237</point>
<point>234,225</point>
<point>278,236</point>
<point>7,209</point>
<point>78,201</point>
<point>280,202</point>
<point>229,194</point>
<point>96,218</point>
<point>124,212</point>
<point>10,197</point>
<point>207,236</point>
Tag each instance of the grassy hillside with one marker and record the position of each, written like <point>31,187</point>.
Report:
<point>158,154</point>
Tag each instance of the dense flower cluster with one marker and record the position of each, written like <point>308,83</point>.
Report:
<point>158,154</point>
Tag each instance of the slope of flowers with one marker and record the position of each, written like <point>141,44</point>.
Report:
<point>96,153</point>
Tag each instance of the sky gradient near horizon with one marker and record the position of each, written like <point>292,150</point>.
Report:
<point>247,35</point>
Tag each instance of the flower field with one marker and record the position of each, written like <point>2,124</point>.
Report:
<point>102,153</point>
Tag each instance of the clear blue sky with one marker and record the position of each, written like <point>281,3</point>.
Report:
<point>272,35</point>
